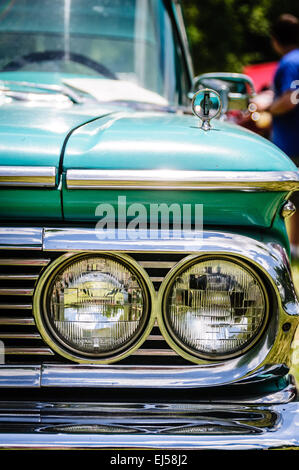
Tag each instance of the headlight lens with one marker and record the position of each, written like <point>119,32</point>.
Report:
<point>215,308</point>
<point>96,306</point>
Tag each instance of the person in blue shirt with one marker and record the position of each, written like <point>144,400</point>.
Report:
<point>283,103</point>
<point>285,109</point>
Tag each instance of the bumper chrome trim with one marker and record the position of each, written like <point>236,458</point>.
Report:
<point>27,376</point>
<point>164,179</point>
<point>172,426</point>
<point>145,377</point>
<point>21,238</point>
<point>28,176</point>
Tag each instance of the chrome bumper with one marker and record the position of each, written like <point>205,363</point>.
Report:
<point>156,426</point>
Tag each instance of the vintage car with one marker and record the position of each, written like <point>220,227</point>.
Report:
<point>146,297</point>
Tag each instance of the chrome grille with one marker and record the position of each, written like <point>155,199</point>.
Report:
<point>19,272</point>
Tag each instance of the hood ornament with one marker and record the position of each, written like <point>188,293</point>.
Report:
<point>206,105</point>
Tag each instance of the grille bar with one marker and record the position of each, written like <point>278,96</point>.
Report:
<point>24,262</point>
<point>18,277</point>
<point>20,336</point>
<point>17,321</point>
<point>157,264</point>
<point>16,292</point>
<point>19,273</point>
<point>154,352</point>
<point>15,307</point>
<point>15,351</point>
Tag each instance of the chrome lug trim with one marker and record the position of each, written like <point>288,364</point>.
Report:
<point>15,238</point>
<point>165,179</point>
<point>28,176</point>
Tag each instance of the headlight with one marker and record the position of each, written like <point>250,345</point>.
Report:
<point>215,308</point>
<point>95,306</point>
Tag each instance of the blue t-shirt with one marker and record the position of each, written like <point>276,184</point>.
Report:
<point>286,127</point>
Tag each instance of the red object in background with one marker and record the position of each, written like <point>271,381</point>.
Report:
<point>261,74</point>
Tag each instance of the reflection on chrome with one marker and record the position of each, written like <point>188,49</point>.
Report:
<point>96,304</point>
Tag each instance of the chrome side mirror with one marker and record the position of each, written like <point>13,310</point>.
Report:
<point>235,89</point>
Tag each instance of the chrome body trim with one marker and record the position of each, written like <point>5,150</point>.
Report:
<point>14,238</point>
<point>148,425</point>
<point>153,377</point>
<point>27,376</point>
<point>183,180</point>
<point>28,176</point>
<point>66,376</point>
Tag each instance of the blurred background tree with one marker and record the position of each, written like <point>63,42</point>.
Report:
<point>225,35</point>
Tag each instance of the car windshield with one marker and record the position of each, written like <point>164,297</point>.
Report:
<point>117,40</point>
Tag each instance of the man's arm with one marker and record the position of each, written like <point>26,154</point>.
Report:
<point>283,104</point>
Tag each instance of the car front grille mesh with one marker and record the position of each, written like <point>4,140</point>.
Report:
<point>19,273</point>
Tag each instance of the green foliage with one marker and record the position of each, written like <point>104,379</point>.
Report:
<point>225,35</point>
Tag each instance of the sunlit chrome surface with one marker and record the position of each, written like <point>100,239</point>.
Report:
<point>93,308</point>
<point>66,376</point>
<point>183,180</point>
<point>215,308</point>
<point>14,238</point>
<point>28,176</point>
<point>288,209</point>
<point>147,425</point>
<point>206,105</point>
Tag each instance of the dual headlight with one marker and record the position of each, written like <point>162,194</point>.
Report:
<point>97,308</point>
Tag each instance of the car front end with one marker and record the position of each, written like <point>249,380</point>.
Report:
<point>146,297</point>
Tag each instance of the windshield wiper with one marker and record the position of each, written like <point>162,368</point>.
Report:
<point>61,89</point>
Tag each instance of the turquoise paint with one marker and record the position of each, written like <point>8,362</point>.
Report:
<point>166,141</point>
<point>30,204</point>
<point>34,136</point>
<point>119,138</point>
<point>31,136</point>
<point>219,208</point>
<point>171,141</point>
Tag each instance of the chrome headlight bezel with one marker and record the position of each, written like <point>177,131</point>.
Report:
<point>40,309</point>
<point>174,342</point>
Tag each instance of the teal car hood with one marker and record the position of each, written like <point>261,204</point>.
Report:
<point>161,140</point>
<point>102,137</point>
<point>34,136</point>
<point>151,141</point>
